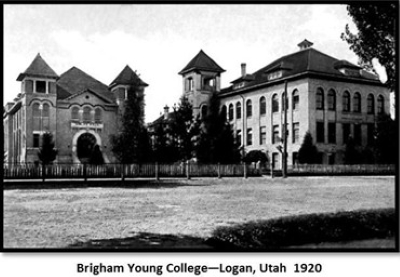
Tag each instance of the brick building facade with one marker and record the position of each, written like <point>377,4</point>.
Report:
<point>77,109</point>
<point>332,99</point>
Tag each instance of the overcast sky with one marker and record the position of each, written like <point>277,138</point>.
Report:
<point>159,40</point>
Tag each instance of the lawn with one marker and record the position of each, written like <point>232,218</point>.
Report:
<point>59,218</point>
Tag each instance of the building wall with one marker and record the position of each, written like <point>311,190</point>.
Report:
<point>306,115</point>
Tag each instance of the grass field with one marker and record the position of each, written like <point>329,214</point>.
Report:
<point>59,218</point>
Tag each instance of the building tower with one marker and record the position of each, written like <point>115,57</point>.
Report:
<point>201,78</point>
<point>38,112</point>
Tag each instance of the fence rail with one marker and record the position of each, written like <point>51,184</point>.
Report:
<point>154,170</point>
<point>342,169</point>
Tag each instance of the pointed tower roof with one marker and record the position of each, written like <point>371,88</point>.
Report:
<point>305,44</point>
<point>38,68</point>
<point>127,77</point>
<point>203,62</point>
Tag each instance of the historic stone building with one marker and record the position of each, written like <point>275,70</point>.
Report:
<point>332,99</point>
<point>77,109</point>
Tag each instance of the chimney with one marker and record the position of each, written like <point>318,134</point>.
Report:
<point>243,65</point>
<point>166,111</point>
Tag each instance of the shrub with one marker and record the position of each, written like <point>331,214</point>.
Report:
<point>305,229</point>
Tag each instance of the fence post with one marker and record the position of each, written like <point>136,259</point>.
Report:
<point>84,172</point>
<point>122,172</point>
<point>188,170</point>
<point>43,172</point>
<point>157,174</point>
<point>219,171</point>
<point>245,170</point>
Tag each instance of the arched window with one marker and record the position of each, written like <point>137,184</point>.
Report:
<point>346,101</point>
<point>37,115</point>
<point>46,117</point>
<point>189,84</point>
<point>331,100</point>
<point>86,115</point>
<point>357,102</point>
<point>75,114</point>
<point>97,115</point>
<point>230,112</point>
<point>319,99</point>
<point>381,104</point>
<point>370,104</point>
<point>204,109</point>
<point>275,103</point>
<point>238,110</point>
<point>249,108</point>
<point>263,106</point>
<point>295,99</point>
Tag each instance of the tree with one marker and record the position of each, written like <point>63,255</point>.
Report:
<point>47,152</point>
<point>163,149</point>
<point>216,142</point>
<point>386,140</point>
<point>255,156</point>
<point>184,130</point>
<point>308,152</point>
<point>132,143</point>
<point>376,25</point>
<point>351,153</point>
<point>96,157</point>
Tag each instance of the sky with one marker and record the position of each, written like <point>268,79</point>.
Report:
<point>159,40</point>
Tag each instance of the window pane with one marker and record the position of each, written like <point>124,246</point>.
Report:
<point>46,110</point>
<point>357,103</point>
<point>331,100</point>
<point>381,108</point>
<point>295,100</point>
<point>296,127</point>
<point>332,132</point>
<point>86,114</point>
<point>230,112</point>
<point>263,108</point>
<point>370,104</point>
<point>41,86</point>
<point>275,103</point>
<point>320,132</point>
<point>275,135</point>
<point>346,101</point>
<point>249,108</point>
<point>249,136</point>
<point>263,135</point>
<point>75,113</point>
<point>238,110</point>
<point>36,140</point>
<point>320,99</point>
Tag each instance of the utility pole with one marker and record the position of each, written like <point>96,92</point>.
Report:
<point>284,133</point>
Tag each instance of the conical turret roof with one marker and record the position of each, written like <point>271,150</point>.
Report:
<point>127,77</point>
<point>202,62</point>
<point>38,68</point>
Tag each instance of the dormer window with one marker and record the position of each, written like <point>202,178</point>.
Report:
<point>40,87</point>
<point>275,75</point>
<point>239,85</point>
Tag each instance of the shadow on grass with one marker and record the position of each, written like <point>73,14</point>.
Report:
<point>128,184</point>
<point>146,241</point>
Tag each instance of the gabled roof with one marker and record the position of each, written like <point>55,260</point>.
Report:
<point>306,61</point>
<point>127,77</point>
<point>202,62</point>
<point>88,91</point>
<point>38,68</point>
<point>75,81</point>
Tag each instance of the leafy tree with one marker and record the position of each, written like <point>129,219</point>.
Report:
<point>184,130</point>
<point>96,157</point>
<point>376,23</point>
<point>216,142</point>
<point>308,152</point>
<point>386,140</point>
<point>132,143</point>
<point>351,153</point>
<point>47,153</point>
<point>255,156</point>
<point>163,149</point>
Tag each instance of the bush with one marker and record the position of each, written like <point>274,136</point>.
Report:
<point>305,229</point>
<point>255,156</point>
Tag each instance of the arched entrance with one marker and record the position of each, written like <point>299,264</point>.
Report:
<point>85,145</point>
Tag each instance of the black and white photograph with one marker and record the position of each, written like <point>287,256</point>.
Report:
<point>201,128</point>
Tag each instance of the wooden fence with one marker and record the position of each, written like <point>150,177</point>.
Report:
<point>343,169</point>
<point>154,170</point>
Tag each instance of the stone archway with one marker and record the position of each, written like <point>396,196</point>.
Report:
<point>98,141</point>
<point>84,147</point>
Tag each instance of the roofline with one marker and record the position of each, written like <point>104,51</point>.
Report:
<point>200,68</point>
<point>91,91</point>
<point>21,76</point>
<point>299,75</point>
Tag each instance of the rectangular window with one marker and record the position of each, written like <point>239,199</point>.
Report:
<point>275,135</point>
<point>263,135</point>
<point>320,132</point>
<point>239,137</point>
<point>332,132</point>
<point>296,127</point>
<point>249,136</point>
<point>275,160</point>
<point>36,140</point>
<point>41,86</point>
<point>357,134</point>
<point>295,159</point>
<point>346,132</point>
